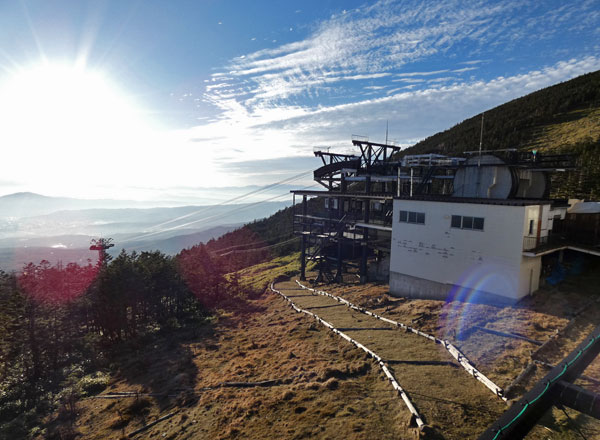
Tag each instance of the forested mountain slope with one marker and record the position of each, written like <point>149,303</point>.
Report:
<point>564,118</point>
<point>257,241</point>
<point>553,118</point>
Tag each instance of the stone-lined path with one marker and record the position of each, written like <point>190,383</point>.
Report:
<point>450,401</point>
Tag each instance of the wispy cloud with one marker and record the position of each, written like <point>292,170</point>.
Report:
<point>413,114</point>
<point>432,72</point>
<point>397,61</point>
<point>365,43</point>
<point>465,69</point>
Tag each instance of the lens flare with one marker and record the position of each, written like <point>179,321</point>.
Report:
<point>467,300</point>
<point>58,284</point>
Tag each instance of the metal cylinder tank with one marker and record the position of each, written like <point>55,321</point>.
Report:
<point>485,177</point>
<point>532,184</point>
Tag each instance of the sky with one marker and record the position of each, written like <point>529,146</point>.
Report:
<point>183,100</point>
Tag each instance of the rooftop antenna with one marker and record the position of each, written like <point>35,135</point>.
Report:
<point>480,140</point>
<point>386,132</point>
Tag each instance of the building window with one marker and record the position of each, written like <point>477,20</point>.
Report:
<point>412,217</point>
<point>467,222</point>
<point>456,221</point>
<point>530,227</point>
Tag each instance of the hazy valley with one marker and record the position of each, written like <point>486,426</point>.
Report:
<point>35,227</point>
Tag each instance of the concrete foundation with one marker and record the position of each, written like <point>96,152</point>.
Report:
<point>380,271</point>
<point>407,286</point>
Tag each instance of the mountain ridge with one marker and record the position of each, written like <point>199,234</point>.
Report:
<point>29,204</point>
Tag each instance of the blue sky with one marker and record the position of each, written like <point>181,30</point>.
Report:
<point>168,98</point>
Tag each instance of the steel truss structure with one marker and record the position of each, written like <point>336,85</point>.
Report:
<point>351,221</point>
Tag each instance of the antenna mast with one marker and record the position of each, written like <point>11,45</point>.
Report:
<point>480,140</point>
<point>386,132</point>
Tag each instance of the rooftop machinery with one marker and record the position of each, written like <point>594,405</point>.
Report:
<point>352,218</point>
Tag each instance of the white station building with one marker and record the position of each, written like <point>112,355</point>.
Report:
<point>474,244</point>
<point>469,228</point>
<point>471,249</point>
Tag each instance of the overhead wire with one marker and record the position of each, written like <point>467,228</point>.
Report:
<point>248,244</point>
<point>244,251</point>
<point>235,208</point>
<point>237,198</point>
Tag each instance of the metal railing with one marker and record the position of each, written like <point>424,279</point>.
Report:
<point>530,243</point>
<point>586,239</point>
<point>545,243</point>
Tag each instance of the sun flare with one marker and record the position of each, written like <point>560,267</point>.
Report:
<point>62,104</point>
<point>58,119</point>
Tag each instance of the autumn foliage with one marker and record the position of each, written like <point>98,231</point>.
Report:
<point>44,283</point>
<point>55,319</point>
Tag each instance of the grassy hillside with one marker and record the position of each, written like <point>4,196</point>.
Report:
<point>564,118</point>
<point>553,118</point>
<point>315,384</point>
<point>202,376</point>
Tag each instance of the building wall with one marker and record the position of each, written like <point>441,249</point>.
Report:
<point>538,214</point>
<point>529,277</point>
<point>461,263</point>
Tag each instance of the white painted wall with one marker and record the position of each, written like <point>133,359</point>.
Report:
<point>529,277</point>
<point>490,260</point>
<point>547,217</point>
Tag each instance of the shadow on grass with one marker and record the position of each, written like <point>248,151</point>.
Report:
<point>435,363</point>
<point>358,329</point>
<point>162,363</point>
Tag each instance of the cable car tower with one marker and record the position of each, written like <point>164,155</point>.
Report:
<point>101,245</point>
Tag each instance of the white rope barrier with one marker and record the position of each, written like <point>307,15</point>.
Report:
<point>455,352</point>
<point>371,353</point>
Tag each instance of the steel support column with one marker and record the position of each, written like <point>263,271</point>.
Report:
<point>365,242</point>
<point>340,240</point>
<point>303,242</point>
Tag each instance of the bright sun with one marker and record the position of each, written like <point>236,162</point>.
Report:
<point>57,118</point>
<point>69,130</point>
<point>63,103</point>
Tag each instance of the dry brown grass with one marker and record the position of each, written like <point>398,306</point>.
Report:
<point>329,388</point>
<point>502,359</point>
<point>451,402</point>
<point>577,126</point>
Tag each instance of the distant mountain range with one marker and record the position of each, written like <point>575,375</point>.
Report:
<point>35,227</point>
<point>27,204</point>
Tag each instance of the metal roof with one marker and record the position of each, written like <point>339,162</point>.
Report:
<point>335,194</point>
<point>480,201</point>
